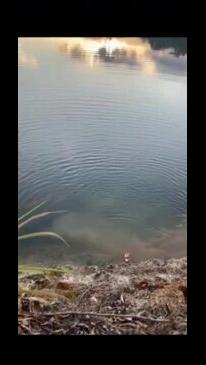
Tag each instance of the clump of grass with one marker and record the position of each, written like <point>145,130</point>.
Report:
<point>47,294</point>
<point>22,223</point>
<point>39,269</point>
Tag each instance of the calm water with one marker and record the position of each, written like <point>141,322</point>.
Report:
<point>102,134</point>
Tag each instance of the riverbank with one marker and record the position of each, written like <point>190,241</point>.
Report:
<point>129,298</point>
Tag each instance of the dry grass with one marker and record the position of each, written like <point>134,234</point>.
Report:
<point>151,301</point>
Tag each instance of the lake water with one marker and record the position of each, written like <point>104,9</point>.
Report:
<point>102,127</point>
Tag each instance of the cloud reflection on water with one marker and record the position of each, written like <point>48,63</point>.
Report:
<point>147,55</point>
<point>134,52</point>
<point>105,50</point>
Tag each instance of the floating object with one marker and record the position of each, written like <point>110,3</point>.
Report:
<point>126,256</point>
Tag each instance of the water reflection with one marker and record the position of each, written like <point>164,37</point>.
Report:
<point>110,50</point>
<point>102,134</point>
<point>25,59</point>
<point>178,45</point>
<point>149,55</point>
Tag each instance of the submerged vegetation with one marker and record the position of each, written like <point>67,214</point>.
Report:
<point>22,222</point>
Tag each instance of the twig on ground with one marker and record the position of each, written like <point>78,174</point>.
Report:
<point>97,314</point>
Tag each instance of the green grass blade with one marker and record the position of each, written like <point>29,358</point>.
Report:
<point>30,211</point>
<point>43,234</point>
<point>29,268</point>
<point>37,216</point>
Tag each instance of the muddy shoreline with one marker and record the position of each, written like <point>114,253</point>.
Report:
<point>146,298</point>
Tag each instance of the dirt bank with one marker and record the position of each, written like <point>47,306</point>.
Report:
<point>145,298</point>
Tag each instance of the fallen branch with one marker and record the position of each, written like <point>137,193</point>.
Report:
<point>98,314</point>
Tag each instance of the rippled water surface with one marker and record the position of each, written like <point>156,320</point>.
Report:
<point>102,135</point>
